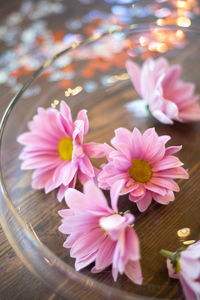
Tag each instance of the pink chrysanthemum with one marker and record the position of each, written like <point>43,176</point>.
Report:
<point>143,165</point>
<point>99,234</point>
<point>168,97</point>
<point>184,265</point>
<point>54,148</point>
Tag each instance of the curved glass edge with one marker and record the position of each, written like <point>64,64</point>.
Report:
<point>45,264</point>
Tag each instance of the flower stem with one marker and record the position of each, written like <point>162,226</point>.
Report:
<point>166,253</point>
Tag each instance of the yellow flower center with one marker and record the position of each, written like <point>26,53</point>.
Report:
<point>65,148</point>
<point>140,171</point>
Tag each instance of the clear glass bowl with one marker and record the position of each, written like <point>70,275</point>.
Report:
<point>101,85</point>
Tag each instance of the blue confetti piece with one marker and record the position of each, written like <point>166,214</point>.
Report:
<point>90,86</point>
<point>63,61</point>
<point>68,37</point>
<point>34,91</point>
<point>95,14</point>
<point>74,24</point>
<point>140,12</point>
<point>3,76</point>
<point>105,80</point>
<point>56,76</point>
<point>119,36</point>
<point>110,1</point>
<point>119,10</point>
<point>125,1</point>
<point>86,2</point>
<point>114,27</point>
<point>124,13</point>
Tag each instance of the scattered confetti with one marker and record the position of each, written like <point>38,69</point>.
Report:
<point>29,39</point>
<point>90,86</point>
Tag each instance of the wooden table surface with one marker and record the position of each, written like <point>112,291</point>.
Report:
<point>16,281</point>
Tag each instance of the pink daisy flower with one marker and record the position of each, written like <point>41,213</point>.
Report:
<point>168,97</point>
<point>143,166</point>
<point>54,148</point>
<point>99,234</point>
<point>184,265</point>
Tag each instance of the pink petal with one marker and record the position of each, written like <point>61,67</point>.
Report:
<point>97,202</point>
<point>134,198</point>
<point>137,143</point>
<point>63,188</point>
<point>71,239</point>
<point>109,175</point>
<point>82,115</point>
<point>155,153</point>
<point>160,116</point>
<point>167,162</point>
<point>173,149</point>
<point>85,261</point>
<point>40,179</point>
<point>133,272</point>
<point>78,152</point>
<point>181,92</point>
<point>120,161</point>
<point>105,254</point>
<point>49,185</point>
<point>172,173</point>
<point>129,186</point>
<point>94,150</point>
<point>122,147</point>
<point>65,212</point>
<point>190,114</point>
<point>66,118</point>
<point>86,167</point>
<point>88,243</point>
<point>165,183</point>
<point>132,245</point>
<point>107,150</point>
<point>140,191</point>
<point>64,173</point>
<point>117,260</point>
<point>171,271</point>
<point>147,82</point>
<point>79,223</point>
<point>164,199</point>
<point>154,188</point>
<point>172,75</point>
<point>31,139</point>
<point>135,74</point>
<point>114,224</point>
<point>123,137</point>
<point>29,153</point>
<point>145,202</point>
<point>40,161</point>
<point>83,178</point>
<point>161,64</point>
<point>76,200</point>
<point>170,109</point>
<point>150,138</point>
<point>114,273</point>
<point>189,293</point>
<point>78,131</point>
<point>164,138</point>
<point>114,193</point>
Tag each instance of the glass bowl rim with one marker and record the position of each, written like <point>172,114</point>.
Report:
<point>134,28</point>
